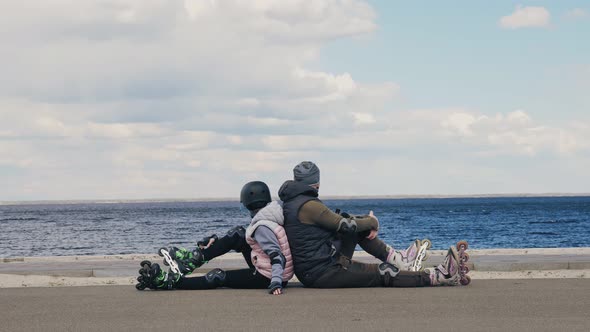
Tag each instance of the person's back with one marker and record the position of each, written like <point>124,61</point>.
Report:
<point>271,254</point>
<point>311,245</point>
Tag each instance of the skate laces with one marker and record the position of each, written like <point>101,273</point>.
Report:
<point>412,251</point>
<point>452,264</point>
<point>448,270</point>
<point>403,259</point>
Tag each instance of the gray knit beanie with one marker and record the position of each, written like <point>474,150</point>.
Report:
<point>306,172</point>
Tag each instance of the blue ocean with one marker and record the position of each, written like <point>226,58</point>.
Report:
<point>126,228</point>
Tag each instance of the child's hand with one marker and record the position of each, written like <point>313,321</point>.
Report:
<point>275,288</point>
<point>206,242</point>
<point>211,240</point>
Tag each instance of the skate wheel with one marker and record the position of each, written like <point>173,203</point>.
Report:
<point>140,278</point>
<point>144,271</point>
<point>466,281</point>
<point>148,263</point>
<point>140,286</point>
<point>166,263</point>
<point>426,256</point>
<point>160,251</point>
<point>462,245</point>
<point>464,269</point>
<point>465,257</point>
<point>428,242</point>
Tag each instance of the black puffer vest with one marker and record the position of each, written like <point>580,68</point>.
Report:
<point>311,246</point>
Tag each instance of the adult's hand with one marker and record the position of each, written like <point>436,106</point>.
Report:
<point>372,234</point>
<point>373,216</point>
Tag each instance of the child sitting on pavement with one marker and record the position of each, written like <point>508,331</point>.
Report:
<point>264,246</point>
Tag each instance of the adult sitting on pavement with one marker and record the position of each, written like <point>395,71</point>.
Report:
<point>322,243</point>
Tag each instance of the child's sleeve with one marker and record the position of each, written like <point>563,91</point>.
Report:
<point>269,243</point>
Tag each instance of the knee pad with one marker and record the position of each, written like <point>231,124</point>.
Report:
<point>347,226</point>
<point>215,278</point>
<point>388,272</point>
<point>237,231</point>
<point>238,235</point>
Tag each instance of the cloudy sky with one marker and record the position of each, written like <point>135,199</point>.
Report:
<point>132,99</point>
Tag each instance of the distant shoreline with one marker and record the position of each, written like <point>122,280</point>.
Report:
<point>326,197</point>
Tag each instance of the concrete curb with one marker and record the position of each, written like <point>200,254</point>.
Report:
<point>493,260</point>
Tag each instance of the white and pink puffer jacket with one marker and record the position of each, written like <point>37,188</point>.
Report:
<point>270,216</point>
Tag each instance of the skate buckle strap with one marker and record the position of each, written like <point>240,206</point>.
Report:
<point>442,270</point>
<point>170,261</point>
<point>417,263</point>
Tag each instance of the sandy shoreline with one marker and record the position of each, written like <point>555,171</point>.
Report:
<point>59,271</point>
<point>476,252</point>
<point>230,256</point>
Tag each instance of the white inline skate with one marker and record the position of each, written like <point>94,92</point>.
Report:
<point>453,270</point>
<point>412,258</point>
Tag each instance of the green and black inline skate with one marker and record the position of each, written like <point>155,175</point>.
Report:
<point>153,277</point>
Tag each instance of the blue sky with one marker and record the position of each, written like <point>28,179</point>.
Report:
<point>457,55</point>
<point>126,99</point>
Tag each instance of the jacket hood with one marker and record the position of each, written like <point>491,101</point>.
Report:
<point>291,189</point>
<point>271,212</point>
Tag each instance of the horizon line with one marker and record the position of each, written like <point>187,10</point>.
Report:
<point>326,197</point>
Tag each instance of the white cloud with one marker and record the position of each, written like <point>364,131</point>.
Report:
<point>460,123</point>
<point>363,118</point>
<point>161,50</point>
<point>519,117</point>
<point>154,98</point>
<point>515,133</point>
<point>577,13</point>
<point>503,134</point>
<point>526,17</point>
<point>138,160</point>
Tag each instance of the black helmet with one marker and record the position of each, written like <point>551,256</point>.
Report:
<point>255,195</point>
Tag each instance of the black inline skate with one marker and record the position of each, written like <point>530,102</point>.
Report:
<point>153,277</point>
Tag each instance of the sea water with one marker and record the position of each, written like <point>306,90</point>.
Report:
<point>125,228</point>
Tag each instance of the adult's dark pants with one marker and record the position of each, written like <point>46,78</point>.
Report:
<point>347,273</point>
<point>346,244</point>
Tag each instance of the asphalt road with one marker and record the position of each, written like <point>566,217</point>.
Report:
<point>485,305</point>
